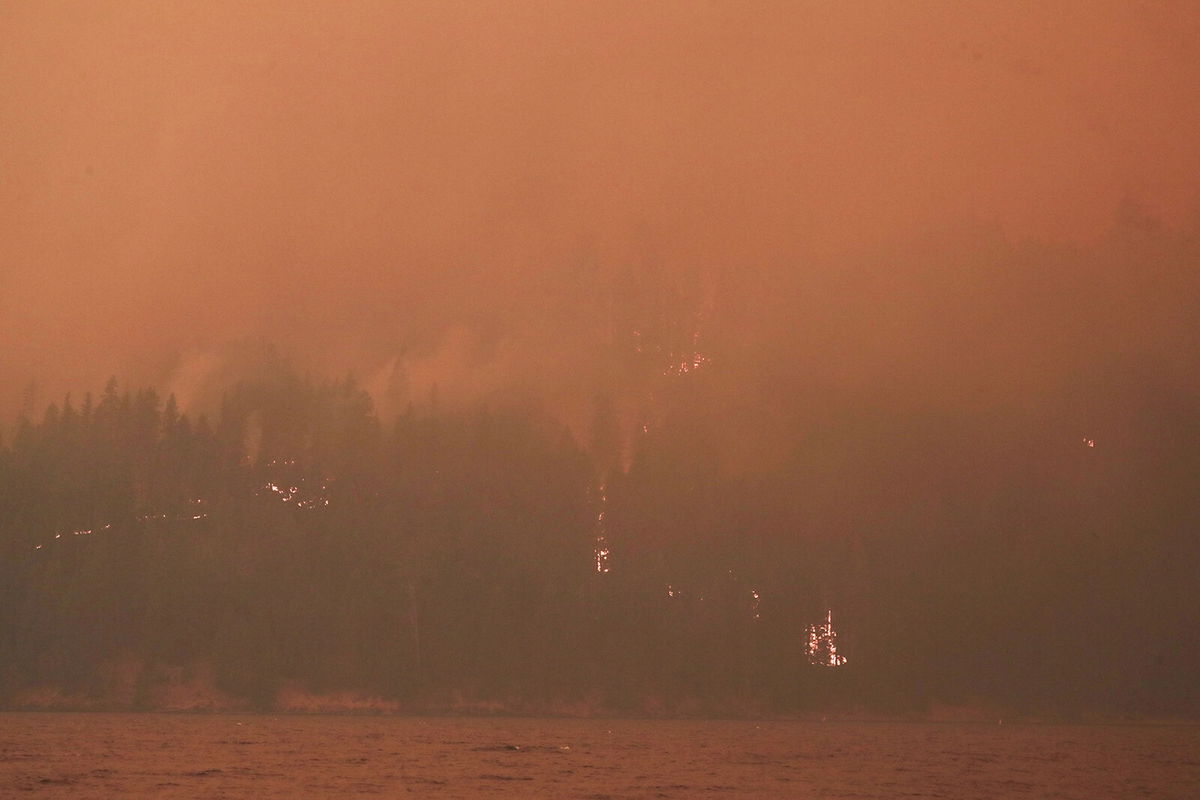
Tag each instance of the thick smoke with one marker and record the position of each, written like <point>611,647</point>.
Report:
<point>462,194</point>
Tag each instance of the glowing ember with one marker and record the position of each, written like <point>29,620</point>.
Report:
<point>141,518</point>
<point>822,644</point>
<point>293,495</point>
<point>602,554</point>
<point>690,361</point>
<point>601,551</point>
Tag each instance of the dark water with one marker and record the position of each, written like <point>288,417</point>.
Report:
<point>228,756</point>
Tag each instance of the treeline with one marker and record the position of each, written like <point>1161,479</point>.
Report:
<point>449,558</point>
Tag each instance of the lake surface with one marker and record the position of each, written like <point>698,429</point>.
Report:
<point>249,756</point>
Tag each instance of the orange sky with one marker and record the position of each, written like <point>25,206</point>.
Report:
<point>341,177</point>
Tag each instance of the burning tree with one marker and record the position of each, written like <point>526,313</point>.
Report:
<point>822,644</point>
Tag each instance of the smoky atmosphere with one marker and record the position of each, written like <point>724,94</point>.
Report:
<point>786,360</point>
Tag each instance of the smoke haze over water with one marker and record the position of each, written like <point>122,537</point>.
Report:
<point>932,200</point>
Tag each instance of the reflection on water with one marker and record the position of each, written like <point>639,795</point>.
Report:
<point>188,755</point>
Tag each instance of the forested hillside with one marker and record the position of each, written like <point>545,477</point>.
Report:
<point>297,545</point>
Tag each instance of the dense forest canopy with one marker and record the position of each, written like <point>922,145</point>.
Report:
<point>1030,548</point>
